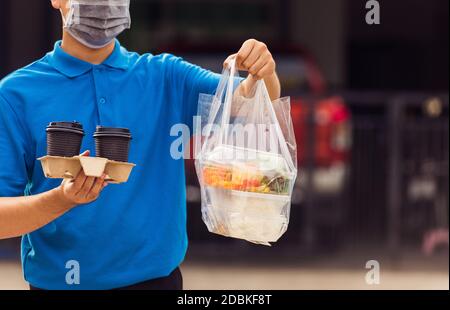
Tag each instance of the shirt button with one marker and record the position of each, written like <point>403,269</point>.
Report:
<point>102,100</point>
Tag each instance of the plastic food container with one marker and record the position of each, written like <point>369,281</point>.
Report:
<point>252,216</point>
<point>247,170</point>
<point>247,193</point>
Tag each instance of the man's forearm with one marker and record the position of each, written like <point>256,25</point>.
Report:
<point>21,215</point>
<point>273,86</point>
<point>272,83</point>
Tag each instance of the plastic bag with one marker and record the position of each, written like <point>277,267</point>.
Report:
<point>246,162</point>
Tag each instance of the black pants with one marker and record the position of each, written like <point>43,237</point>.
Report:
<point>173,281</point>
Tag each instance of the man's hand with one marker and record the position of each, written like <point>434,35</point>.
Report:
<point>82,189</point>
<point>255,58</point>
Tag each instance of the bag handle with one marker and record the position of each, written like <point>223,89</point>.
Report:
<point>223,138</point>
<point>282,141</point>
<point>227,85</point>
<point>227,75</point>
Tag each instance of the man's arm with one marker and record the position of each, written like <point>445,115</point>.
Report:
<point>255,58</point>
<point>21,215</point>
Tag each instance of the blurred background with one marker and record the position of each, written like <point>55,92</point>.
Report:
<point>371,117</point>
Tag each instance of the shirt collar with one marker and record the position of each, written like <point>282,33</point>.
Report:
<point>73,67</point>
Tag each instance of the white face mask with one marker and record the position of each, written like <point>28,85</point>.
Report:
<point>95,23</point>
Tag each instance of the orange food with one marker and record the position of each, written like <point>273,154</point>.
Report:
<point>235,179</point>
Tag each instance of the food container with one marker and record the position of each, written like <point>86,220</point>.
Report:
<point>247,170</point>
<point>247,193</point>
<point>252,216</point>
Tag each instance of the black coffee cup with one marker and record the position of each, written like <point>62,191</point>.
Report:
<point>112,143</point>
<point>64,138</point>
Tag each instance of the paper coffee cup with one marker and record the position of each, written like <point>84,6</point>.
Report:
<point>112,143</point>
<point>64,138</point>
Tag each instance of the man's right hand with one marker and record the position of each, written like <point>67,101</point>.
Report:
<point>82,189</point>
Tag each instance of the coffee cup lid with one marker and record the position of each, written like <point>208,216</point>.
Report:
<point>71,126</point>
<point>112,131</point>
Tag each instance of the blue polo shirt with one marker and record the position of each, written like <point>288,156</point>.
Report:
<point>135,231</point>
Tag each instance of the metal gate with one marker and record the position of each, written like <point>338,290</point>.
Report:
<point>418,170</point>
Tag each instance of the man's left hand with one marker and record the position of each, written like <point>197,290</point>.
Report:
<point>255,58</point>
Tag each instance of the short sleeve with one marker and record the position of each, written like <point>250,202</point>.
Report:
<point>189,81</point>
<point>13,152</point>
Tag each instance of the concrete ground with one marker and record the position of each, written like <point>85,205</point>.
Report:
<point>219,268</point>
<point>224,277</point>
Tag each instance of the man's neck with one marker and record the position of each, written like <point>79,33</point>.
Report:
<point>78,50</point>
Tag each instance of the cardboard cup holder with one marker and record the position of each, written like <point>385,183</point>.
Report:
<point>56,167</point>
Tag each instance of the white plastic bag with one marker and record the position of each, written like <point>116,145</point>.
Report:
<point>247,162</point>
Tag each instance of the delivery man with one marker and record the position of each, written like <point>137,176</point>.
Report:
<point>81,234</point>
